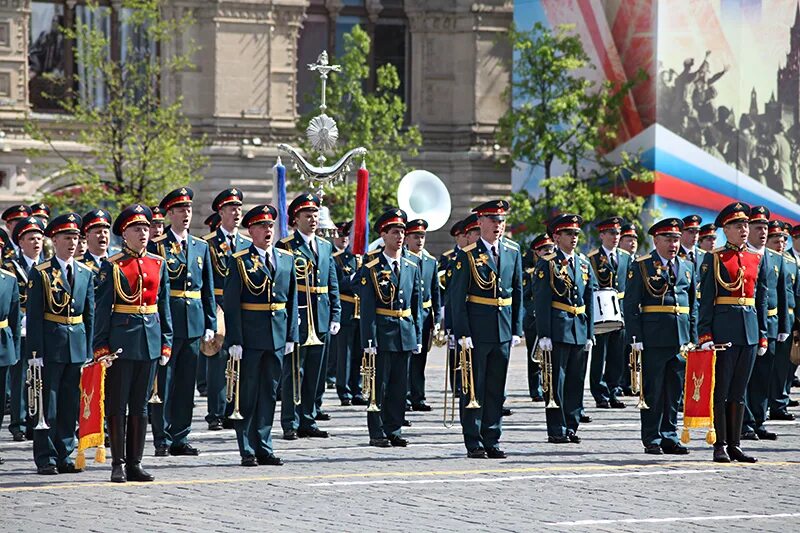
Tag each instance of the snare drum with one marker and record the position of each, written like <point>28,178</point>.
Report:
<point>607,311</point>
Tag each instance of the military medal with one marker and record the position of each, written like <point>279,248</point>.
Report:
<point>175,248</point>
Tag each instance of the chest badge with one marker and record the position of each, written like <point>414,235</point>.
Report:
<point>256,263</point>
<point>175,248</point>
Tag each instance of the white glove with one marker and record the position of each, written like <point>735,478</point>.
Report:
<point>163,360</point>
<point>371,351</point>
<point>107,363</point>
<point>451,342</point>
<point>589,346</point>
<point>23,325</point>
<point>782,337</point>
<point>334,328</point>
<point>761,350</point>
<point>289,348</point>
<point>208,336</point>
<point>36,361</point>
<point>639,346</point>
<point>235,352</point>
<point>418,350</point>
<point>436,327</point>
<point>707,346</point>
<point>515,340</point>
<point>466,342</point>
<point>546,344</point>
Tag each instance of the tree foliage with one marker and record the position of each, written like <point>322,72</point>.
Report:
<point>140,146</point>
<point>372,119</point>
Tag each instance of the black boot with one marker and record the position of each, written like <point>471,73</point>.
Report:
<point>116,431</point>
<point>137,428</point>
<point>735,419</point>
<point>720,428</point>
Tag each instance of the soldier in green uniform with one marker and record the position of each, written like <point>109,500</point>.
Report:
<point>486,300</point>
<point>42,212</point>
<point>96,229</point>
<point>132,314</point>
<point>12,216</point>
<point>10,322</point>
<point>318,288</point>
<point>212,221</point>
<point>660,314</point>
<point>610,264</point>
<point>429,319</point>
<point>260,299</point>
<point>689,237</point>
<point>60,322</point>
<point>391,304</point>
<point>28,235</point>
<point>223,242</point>
<point>707,240</point>
<point>541,246</point>
<point>446,261</point>
<point>191,300</point>
<point>348,349</point>
<point>563,289</point>
<point>157,225</point>
<point>779,324</point>
<point>628,241</point>
<point>780,381</point>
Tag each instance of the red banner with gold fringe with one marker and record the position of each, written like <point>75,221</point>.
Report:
<point>91,415</point>
<point>698,396</point>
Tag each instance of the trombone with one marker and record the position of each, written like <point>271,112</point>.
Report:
<point>368,374</point>
<point>545,360</point>
<point>449,422</point>
<point>467,375</point>
<point>233,370</point>
<point>637,385</point>
<point>304,270</point>
<point>36,394</point>
<point>297,391</point>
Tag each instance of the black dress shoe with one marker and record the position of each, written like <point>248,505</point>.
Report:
<point>18,436</point>
<point>793,403</point>
<point>653,449</point>
<point>537,398</point>
<point>495,453</point>
<point>227,423</point>
<point>628,392</point>
<point>507,411</point>
<point>322,415</point>
<point>749,435</point>
<point>215,425</point>
<point>573,438</point>
<point>764,434</point>
<point>359,400</point>
<point>290,435</point>
<point>347,401</point>
<point>675,449</point>
<point>477,453</point>
<point>781,415</point>
<point>421,407</point>
<point>603,404</point>
<point>380,443</point>
<point>736,454</point>
<point>616,404</point>
<point>313,433</point>
<point>585,419</point>
<point>47,470</point>
<point>269,460</point>
<point>249,461</point>
<point>203,393</point>
<point>162,451</point>
<point>330,385</point>
<point>186,449</point>
<point>2,460</point>
<point>406,424</point>
<point>561,439</point>
<point>720,455</point>
<point>795,382</point>
<point>69,468</point>
<point>399,442</point>
<point>118,474</point>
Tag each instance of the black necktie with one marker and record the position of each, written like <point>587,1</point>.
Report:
<point>183,245</point>
<point>496,257</point>
<point>690,255</point>
<point>396,268</point>
<point>672,274</point>
<point>70,279</point>
<point>613,259</point>
<point>232,247</point>
<point>269,266</point>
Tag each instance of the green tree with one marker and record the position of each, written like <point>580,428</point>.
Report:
<point>139,145</point>
<point>372,119</point>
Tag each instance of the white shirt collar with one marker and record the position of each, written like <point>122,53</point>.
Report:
<point>178,237</point>
<point>392,260</point>
<point>98,258</point>
<point>610,253</point>
<point>686,250</point>
<point>759,250</point>
<point>664,260</point>
<point>63,263</point>
<point>568,256</point>
<point>489,245</point>
<point>227,233</point>
<point>28,260</point>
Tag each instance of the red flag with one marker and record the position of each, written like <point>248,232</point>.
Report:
<point>91,414</point>
<point>698,396</point>
<point>360,222</point>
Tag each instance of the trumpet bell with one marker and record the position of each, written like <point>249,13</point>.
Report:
<point>421,194</point>
<point>312,339</point>
<point>473,404</point>
<point>373,408</point>
<point>551,404</point>
<point>236,416</point>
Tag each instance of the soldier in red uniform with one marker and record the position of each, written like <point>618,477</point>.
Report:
<point>733,309</point>
<point>132,313</point>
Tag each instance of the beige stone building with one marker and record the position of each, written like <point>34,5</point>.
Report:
<point>250,78</point>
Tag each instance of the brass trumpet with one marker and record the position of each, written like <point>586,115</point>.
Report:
<point>232,380</point>
<point>36,394</point>
<point>368,374</point>
<point>449,422</point>
<point>304,271</point>
<point>545,360</point>
<point>154,398</point>
<point>467,377</point>
<point>636,377</point>
<point>297,392</point>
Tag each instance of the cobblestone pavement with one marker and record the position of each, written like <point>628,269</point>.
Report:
<point>606,483</point>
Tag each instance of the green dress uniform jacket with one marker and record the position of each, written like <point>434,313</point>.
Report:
<point>219,248</point>
<point>347,266</point>
<point>429,280</point>
<point>10,320</point>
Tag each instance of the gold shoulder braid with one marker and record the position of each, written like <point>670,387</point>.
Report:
<point>136,297</point>
<point>222,269</point>
<point>652,291</point>
<point>255,289</point>
<point>483,284</point>
<point>386,297</point>
<point>173,273</point>
<point>730,287</point>
<point>608,281</point>
<point>562,276</point>
<point>55,306</point>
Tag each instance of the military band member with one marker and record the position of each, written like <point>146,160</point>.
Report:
<point>541,246</point>
<point>213,221</point>
<point>29,237</point>
<point>446,261</point>
<point>391,304</point>
<point>563,289</point>
<point>779,325</point>
<point>429,319</point>
<point>10,322</point>
<point>348,340</point>
<point>689,237</point>
<point>12,216</point>
<point>486,300</point>
<point>97,231</point>
<point>610,265</point>
<point>157,225</point>
<point>780,377</point>
<point>629,239</point>
<point>42,212</point>
<point>707,239</point>
<point>260,302</point>
<point>60,321</point>
<point>660,314</point>
<point>223,242</point>
<point>317,287</point>
<point>81,249</point>
<point>191,301</point>
<point>733,308</point>
<point>132,314</point>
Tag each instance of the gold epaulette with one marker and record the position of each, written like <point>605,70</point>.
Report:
<point>209,236</point>
<point>281,250</point>
<point>789,257</point>
<point>337,254</point>
<point>4,271</point>
<point>42,266</point>
<point>287,240</point>
<point>410,262</point>
<point>469,247</point>
<point>375,251</point>
<point>718,250</point>
<point>160,238</point>
<point>449,252</point>
<point>593,252</point>
<point>626,252</point>
<point>530,270</point>
<point>373,263</point>
<point>116,257</point>
<point>240,253</point>
<point>419,256</point>
<point>549,257</point>
<point>511,243</point>
<point>87,267</point>
<point>643,258</point>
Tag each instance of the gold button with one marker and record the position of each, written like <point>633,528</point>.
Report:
<point>741,300</point>
<point>142,309</point>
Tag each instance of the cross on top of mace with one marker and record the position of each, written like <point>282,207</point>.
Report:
<point>323,68</point>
